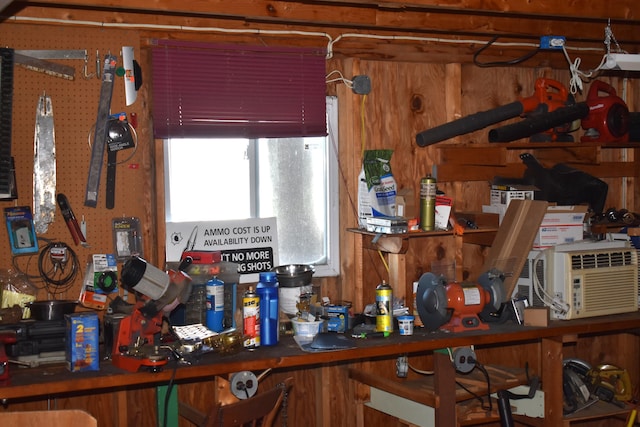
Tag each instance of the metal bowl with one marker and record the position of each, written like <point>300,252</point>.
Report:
<point>294,275</point>
<point>51,309</point>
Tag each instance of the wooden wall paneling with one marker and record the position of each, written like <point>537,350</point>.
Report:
<point>349,158</point>
<point>74,106</point>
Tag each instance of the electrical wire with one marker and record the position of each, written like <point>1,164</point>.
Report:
<point>167,396</point>
<point>514,61</point>
<point>547,299</point>
<point>488,407</point>
<point>348,83</point>
<point>52,266</point>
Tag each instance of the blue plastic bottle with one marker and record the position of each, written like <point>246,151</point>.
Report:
<point>267,290</point>
<point>215,304</point>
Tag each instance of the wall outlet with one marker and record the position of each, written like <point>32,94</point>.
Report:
<point>552,42</point>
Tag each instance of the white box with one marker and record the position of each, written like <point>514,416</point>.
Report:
<point>548,236</point>
<point>561,224</point>
<point>504,197</point>
<point>565,215</point>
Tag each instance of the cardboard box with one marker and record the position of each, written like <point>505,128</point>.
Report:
<point>406,204</point>
<point>551,236</point>
<point>561,224</point>
<point>338,318</point>
<point>564,215</point>
<point>536,316</point>
<point>502,195</point>
<point>82,352</point>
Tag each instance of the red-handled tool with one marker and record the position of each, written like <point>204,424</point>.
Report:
<point>5,338</point>
<point>70,218</point>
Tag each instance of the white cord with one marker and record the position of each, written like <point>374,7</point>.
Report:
<point>577,76</point>
<point>348,83</point>
<point>330,43</point>
<point>551,301</point>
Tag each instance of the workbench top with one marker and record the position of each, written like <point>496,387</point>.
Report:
<point>54,380</point>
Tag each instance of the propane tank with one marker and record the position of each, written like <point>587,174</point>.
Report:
<point>251,318</point>
<point>384,308</point>
<point>428,189</point>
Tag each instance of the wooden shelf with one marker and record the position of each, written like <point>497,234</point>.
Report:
<point>484,161</point>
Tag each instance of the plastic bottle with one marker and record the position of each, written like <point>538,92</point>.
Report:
<point>267,290</point>
<point>215,304</point>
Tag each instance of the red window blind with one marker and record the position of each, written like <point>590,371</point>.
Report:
<point>210,90</point>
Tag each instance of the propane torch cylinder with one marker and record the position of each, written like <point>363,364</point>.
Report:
<point>428,203</point>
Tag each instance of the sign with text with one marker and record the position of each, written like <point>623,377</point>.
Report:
<point>250,243</point>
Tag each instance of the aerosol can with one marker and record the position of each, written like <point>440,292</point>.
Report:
<point>251,318</point>
<point>384,308</point>
<point>428,188</point>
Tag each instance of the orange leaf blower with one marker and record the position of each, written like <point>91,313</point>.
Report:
<point>548,95</point>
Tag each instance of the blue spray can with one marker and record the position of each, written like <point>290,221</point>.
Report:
<point>215,304</point>
<point>267,290</point>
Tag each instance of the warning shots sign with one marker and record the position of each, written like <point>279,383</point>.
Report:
<point>250,243</point>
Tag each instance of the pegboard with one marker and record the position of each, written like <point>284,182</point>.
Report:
<point>74,105</point>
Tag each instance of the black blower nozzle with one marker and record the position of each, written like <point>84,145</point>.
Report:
<point>539,123</point>
<point>469,123</point>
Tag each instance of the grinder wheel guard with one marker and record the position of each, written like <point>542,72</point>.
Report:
<point>431,301</point>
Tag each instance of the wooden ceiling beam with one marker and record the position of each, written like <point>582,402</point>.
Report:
<point>470,17</point>
<point>424,20</point>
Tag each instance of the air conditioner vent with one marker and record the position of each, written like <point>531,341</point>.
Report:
<point>608,291</point>
<point>582,261</point>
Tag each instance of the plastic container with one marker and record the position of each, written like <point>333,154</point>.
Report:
<point>304,328</point>
<point>405,324</point>
<point>267,290</point>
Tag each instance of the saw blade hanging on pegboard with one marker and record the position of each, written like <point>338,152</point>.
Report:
<point>100,135</point>
<point>44,167</point>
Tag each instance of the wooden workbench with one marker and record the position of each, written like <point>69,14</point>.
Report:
<point>44,382</point>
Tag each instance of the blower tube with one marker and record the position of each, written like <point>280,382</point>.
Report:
<point>539,123</point>
<point>634,127</point>
<point>469,123</point>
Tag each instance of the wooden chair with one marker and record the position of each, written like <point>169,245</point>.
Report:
<point>259,410</point>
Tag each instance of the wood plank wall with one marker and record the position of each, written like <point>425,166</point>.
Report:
<point>389,117</point>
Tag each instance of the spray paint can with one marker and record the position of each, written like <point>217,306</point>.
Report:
<point>251,318</point>
<point>215,304</point>
<point>428,189</point>
<point>384,308</point>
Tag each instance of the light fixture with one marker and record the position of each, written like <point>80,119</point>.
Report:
<point>622,61</point>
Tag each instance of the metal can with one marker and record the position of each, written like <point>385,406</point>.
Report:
<point>251,318</point>
<point>428,189</point>
<point>384,308</point>
<point>215,304</point>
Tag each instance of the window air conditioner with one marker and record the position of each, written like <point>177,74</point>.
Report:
<point>582,279</point>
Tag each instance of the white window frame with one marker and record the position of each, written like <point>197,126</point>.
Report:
<point>332,266</point>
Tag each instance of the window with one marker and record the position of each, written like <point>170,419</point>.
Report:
<point>292,179</point>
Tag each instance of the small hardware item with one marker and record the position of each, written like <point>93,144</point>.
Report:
<point>70,219</point>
